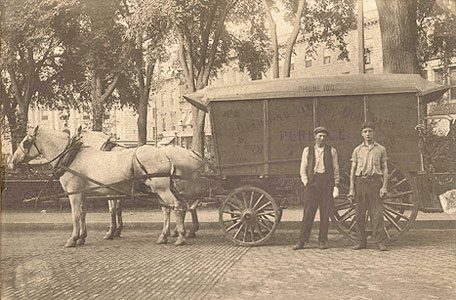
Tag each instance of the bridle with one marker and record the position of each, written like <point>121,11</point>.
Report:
<point>25,149</point>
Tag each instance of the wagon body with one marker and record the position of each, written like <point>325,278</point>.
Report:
<point>260,128</point>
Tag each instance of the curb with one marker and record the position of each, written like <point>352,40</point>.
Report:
<point>290,225</point>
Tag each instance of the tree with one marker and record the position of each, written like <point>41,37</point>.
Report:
<point>34,62</point>
<point>436,35</point>
<point>205,44</point>
<point>398,28</point>
<point>101,54</point>
<point>148,28</point>
<point>319,21</point>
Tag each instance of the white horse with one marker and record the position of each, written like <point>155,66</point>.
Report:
<point>92,167</point>
<point>186,164</point>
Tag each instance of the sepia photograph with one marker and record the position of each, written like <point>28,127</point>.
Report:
<point>228,149</point>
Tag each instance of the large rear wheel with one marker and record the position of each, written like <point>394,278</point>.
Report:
<point>400,206</point>
<point>248,216</point>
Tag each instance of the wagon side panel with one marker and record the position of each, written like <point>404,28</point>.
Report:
<point>239,127</point>
<point>395,117</point>
<point>290,124</point>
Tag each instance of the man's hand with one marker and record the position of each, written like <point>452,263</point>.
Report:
<point>383,192</point>
<point>351,195</point>
<point>335,192</point>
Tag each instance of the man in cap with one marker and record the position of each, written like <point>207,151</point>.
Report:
<point>368,185</point>
<point>320,176</point>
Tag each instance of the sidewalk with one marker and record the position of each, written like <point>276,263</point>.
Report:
<point>153,218</point>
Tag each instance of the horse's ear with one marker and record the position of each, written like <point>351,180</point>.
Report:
<point>79,131</point>
<point>35,130</point>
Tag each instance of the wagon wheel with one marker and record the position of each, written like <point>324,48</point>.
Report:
<point>248,216</point>
<point>400,206</point>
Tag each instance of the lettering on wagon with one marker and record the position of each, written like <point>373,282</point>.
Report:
<point>248,147</point>
<point>317,88</point>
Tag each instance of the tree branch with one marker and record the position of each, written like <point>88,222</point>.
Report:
<point>110,89</point>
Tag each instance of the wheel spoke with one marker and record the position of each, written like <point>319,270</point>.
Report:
<point>252,229</point>
<point>266,213</point>
<point>233,226</point>
<point>251,199</point>
<point>258,201</point>
<point>245,201</point>
<point>343,205</point>
<point>263,225</point>
<point>387,232</point>
<point>392,173</point>
<point>232,205</point>
<point>398,195</point>
<point>265,218</point>
<point>347,215</point>
<point>230,220</point>
<point>352,225</point>
<point>230,212</point>
<point>245,232</point>
<point>398,183</point>
<point>392,211</point>
<point>264,206</point>
<point>391,219</point>
<point>239,230</point>
<point>398,204</point>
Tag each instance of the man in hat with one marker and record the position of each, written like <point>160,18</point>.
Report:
<point>320,176</point>
<point>368,185</point>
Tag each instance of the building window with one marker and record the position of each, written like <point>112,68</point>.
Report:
<point>86,116</point>
<point>172,97</point>
<point>292,66</point>
<point>164,124</point>
<point>309,61</point>
<point>367,55</point>
<point>326,56</point>
<point>44,117</point>
<point>439,77</point>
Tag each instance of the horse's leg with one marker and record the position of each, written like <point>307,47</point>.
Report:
<point>175,232</point>
<point>112,226</point>
<point>195,224</point>
<point>163,238</point>
<point>75,202</point>
<point>168,197</point>
<point>82,222</point>
<point>119,219</point>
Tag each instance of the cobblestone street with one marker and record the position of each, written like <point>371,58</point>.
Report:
<point>422,265</point>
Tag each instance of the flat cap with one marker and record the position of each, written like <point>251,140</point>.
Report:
<point>368,125</point>
<point>320,129</point>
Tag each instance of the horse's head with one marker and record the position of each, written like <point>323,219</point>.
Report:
<point>26,150</point>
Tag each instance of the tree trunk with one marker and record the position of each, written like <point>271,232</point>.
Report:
<point>292,40</point>
<point>399,35</point>
<point>98,112</point>
<point>275,45</point>
<point>142,118</point>
<point>198,130</point>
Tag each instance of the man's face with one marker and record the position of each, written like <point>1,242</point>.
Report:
<point>368,134</point>
<point>320,138</point>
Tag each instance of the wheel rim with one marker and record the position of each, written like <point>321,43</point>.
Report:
<point>248,216</point>
<point>400,206</point>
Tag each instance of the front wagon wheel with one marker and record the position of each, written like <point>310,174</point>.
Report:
<point>400,206</point>
<point>248,216</point>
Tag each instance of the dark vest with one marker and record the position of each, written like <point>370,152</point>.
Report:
<point>327,162</point>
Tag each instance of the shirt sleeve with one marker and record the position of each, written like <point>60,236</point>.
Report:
<point>303,172</point>
<point>383,157</point>
<point>354,155</point>
<point>335,160</point>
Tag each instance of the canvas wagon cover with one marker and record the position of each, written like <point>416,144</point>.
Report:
<point>366,84</point>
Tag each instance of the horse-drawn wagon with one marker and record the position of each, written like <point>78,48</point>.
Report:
<point>260,129</point>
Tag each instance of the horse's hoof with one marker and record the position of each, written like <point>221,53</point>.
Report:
<point>173,234</point>
<point>180,241</point>
<point>117,233</point>
<point>70,243</point>
<point>108,236</point>
<point>191,234</point>
<point>162,240</point>
<point>80,242</point>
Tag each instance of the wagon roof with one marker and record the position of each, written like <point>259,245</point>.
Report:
<point>341,85</point>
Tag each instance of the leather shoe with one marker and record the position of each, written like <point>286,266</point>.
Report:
<point>382,247</point>
<point>323,245</point>
<point>359,246</point>
<point>298,246</point>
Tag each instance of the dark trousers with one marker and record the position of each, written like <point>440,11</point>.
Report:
<point>318,195</point>
<point>368,198</point>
